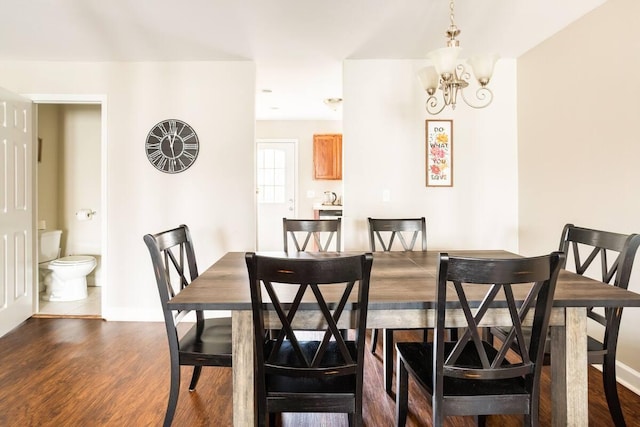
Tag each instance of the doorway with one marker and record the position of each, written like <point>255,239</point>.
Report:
<point>276,172</point>
<point>70,194</point>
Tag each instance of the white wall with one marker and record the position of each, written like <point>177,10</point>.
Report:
<point>48,166</point>
<point>303,131</point>
<point>578,140</point>
<point>80,186</point>
<point>384,149</point>
<point>215,197</point>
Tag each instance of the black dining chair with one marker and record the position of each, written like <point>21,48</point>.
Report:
<point>323,232</point>
<point>386,232</point>
<point>615,254</point>
<point>469,376</point>
<point>296,374</point>
<point>208,341</point>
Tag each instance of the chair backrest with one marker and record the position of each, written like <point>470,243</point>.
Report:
<point>323,285</point>
<point>518,284</point>
<point>616,254</point>
<point>386,230</point>
<point>174,265</point>
<point>322,230</point>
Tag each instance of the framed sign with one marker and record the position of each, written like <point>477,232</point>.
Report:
<point>439,153</point>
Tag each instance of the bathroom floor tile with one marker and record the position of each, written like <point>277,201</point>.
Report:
<point>90,306</point>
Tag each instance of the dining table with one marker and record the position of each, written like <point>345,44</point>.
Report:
<point>402,295</point>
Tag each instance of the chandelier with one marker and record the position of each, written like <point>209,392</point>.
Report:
<point>333,103</point>
<point>452,78</point>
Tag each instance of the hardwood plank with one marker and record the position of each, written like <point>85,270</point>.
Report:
<point>79,372</point>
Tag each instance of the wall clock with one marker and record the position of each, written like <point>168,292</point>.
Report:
<point>172,146</point>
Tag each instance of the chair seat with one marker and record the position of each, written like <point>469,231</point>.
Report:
<point>213,349</point>
<point>418,358</point>
<point>326,384</point>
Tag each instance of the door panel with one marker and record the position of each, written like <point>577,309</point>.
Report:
<point>17,260</point>
<point>276,191</point>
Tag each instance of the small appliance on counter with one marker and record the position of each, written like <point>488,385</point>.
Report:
<point>330,198</point>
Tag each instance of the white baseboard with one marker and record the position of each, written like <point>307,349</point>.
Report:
<point>628,377</point>
<point>132,315</point>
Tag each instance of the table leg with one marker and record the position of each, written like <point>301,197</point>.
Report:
<point>243,369</point>
<point>569,375</point>
<point>387,359</point>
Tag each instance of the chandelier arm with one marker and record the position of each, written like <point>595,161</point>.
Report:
<point>462,73</point>
<point>432,104</point>
<point>484,96</point>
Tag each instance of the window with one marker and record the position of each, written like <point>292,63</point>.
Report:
<point>271,176</point>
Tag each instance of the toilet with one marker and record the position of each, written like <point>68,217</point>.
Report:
<point>65,278</point>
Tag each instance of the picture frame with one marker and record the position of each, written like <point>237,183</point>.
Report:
<point>439,153</point>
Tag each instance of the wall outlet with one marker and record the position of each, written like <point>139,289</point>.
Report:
<point>386,195</point>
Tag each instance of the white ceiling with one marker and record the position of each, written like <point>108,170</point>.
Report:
<point>298,45</point>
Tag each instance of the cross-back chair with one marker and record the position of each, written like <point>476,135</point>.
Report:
<point>386,232</point>
<point>208,341</point>
<point>294,374</point>
<point>609,257</point>
<point>323,232</point>
<point>468,376</point>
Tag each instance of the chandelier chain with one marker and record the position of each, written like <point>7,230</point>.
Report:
<point>452,14</point>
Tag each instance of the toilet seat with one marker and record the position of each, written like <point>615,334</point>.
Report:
<point>72,260</point>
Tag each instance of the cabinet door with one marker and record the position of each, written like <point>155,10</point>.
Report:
<point>327,156</point>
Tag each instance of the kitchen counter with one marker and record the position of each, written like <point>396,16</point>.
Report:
<point>321,207</point>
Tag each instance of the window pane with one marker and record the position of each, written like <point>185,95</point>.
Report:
<point>268,177</point>
<point>271,175</point>
<point>268,159</point>
<point>279,159</point>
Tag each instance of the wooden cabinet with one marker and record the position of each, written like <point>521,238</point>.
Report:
<point>327,156</point>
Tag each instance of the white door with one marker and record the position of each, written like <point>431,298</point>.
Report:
<point>275,178</point>
<point>17,256</point>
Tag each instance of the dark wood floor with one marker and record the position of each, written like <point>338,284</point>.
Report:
<point>79,372</point>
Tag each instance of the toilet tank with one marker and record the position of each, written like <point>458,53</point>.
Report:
<point>48,245</point>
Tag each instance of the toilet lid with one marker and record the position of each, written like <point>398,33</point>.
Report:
<point>73,260</point>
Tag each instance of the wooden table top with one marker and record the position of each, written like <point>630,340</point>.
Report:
<point>399,280</point>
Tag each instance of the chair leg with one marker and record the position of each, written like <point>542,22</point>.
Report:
<point>611,390</point>
<point>195,377</point>
<point>355,420</point>
<point>387,349</point>
<point>374,340</point>
<point>402,393</point>
<point>272,419</point>
<point>174,390</point>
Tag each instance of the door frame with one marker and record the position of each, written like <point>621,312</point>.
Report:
<point>93,99</point>
<point>293,141</point>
